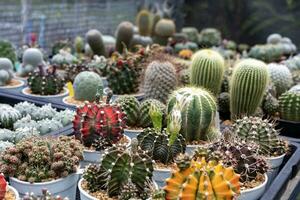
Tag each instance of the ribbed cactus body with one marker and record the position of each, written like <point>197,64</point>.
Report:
<point>192,33</point>
<point>289,106</point>
<point>144,22</point>
<point>207,70</point>
<point>95,41</point>
<point>145,119</point>
<point>198,109</point>
<point>160,80</point>
<point>281,77</point>
<point>8,116</point>
<point>248,85</point>
<point>203,180</point>
<point>124,35</point>
<point>209,37</point>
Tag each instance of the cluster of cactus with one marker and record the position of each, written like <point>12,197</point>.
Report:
<point>65,117</point>
<point>293,63</point>
<point>209,37</point>
<point>42,159</point>
<point>48,125</point>
<point>7,51</point>
<point>284,42</point>
<point>25,108</point>
<point>95,41</point>
<point>248,85</point>
<point>32,58</point>
<point>44,112</point>
<point>45,82</point>
<point>179,46</point>
<point>46,195</point>
<point>198,108</point>
<point>270,104</point>
<point>59,45</point>
<point>207,70</point>
<point>192,33</point>
<point>8,116</point>
<point>202,180</point>
<point>263,133</point>
<point>98,65</point>
<point>63,58</point>
<point>86,84</point>
<point>6,71</point>
<point>267,52</point>
<point>99,124</point>
<point>71,71</point>
<point>124,34</point>
<point>164,29</point>
<point>138,40</point>
<point>134,184</point>
<point>289,105</point>
<point>281,77</point>
<point>239,155</point>
<point>160,80</point>
<point>163,145</point>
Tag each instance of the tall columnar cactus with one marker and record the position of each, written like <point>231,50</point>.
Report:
<point>8,116</point>
<point>86,85</point>
<point>248,85</point>
<point>95,41</point>
<point>198,109</point>
<point>289,106</point>
<point>45,82</point>
<point>163,145</point>
<point>164,29</point>
<point>202,180</point>
<point>122,172</point>
<point>262,132</point>
<point>209,37</point>
<point>124,35</point>
<point>6,71</point>
<point>160,80</point>
<point>207,70</point>
<point>281,77</point>
<point>144,22</point>
<point>145,119</point>
<point>32,58</point>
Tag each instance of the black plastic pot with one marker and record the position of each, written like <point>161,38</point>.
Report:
<point>289,128</point>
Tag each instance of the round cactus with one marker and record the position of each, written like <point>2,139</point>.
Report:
<point>274,38</point>
<point>25,132</point>
<point>6,71</point>
<point>48,125</point>
<point>289,106</point>
<point>31,59</point>
<point>124,35</point>
<point>140,40</point>
<point>144,119</point>
<point>95,41</point>
<point>164,29</point>
<point>144,22</point>
<point>207,70</point>
<point>86,85</point>
<point>8,116</point>
<point>160,80</point>
<point>209,37</point>
<point>248,85</point>
<point>191,32</point>
<point>7,135</point>
<point>198,108</point>
<point>281,77</point>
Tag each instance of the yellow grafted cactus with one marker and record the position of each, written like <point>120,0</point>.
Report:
<point>201,180</point>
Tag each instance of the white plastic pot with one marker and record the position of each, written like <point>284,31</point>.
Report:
<point>13,86</point>
<point>138,96</point>
<point>274,163</point>
<point>15,192</point>
<point>64,187</point>
<point>254,193</point>
<point>64,93</point>
<point>160,176</point>
<point>132,133</point>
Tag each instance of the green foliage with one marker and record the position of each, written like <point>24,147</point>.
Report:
<point>7,51</point>
<point>145,119</point>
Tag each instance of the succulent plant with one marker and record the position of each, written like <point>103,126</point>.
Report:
<point>8,116</point>
<point>184,77</point>
<point>163,145</point>
<point>7,135</point>
<point>44,112</point>
<point>71,71</point>
<point>25,132</point>
<point>262,132</point>
<point>48,125</point>
<point>98,65</point>
<point>95,41</point>
<point>270,104</point>
<point>25,108</point>
<point>6,71</point>
<point>207,70</point>
<point>86,85</point>
<point>144,22</point>
<point>185,54</point>
<point>32,58</point>
<point>267,53</point>
<point>63,58</point>
<point>191,32</point>
<point>42,159</point>
<point>78,45</point>
<point>45,83</point>
<point>289,106</point>
<point>4,145</point>
<point>46,196</point>
<point>198,109</point>
<point>274,38</point>
<point>3,187</point>
<point>164,29</point>
<point>160,80</point>
<point>7,51</point>
<point>124,34</point>
<point>209,37</point>
<point>122,172</point>
<point>201,180</point>
<point>248,85</point>
<point>66,117</point>
<point>61,44</point>
<point>179,46</point>
<point>138,40</point>
<point>145,119</point>
<point>25,122</point>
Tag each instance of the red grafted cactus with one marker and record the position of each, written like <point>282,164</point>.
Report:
<point>3,185</point>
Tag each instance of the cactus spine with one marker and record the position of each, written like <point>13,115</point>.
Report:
<point>94,39</point>
<point>8,116</point>
<point>198,109</point>
<point>144,22</point>
<point>207,70</point>
<point>124,35</point>
<point>289,106</point>
<point>248,85</point>
<point>145,119</point>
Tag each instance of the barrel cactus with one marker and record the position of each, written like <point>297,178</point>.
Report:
<point>95,41</point>
<point>262,132</point>
<point>145,119</point>
<point>202,180</point>
<point>289,106</point>
<point>164,29</point>
<point>48,125</point>
<point>209,37</point>
<point>8,116</point>
<point>281,77</point>
<point>135,183</point>
<point>124,35</point>
<point>6,71</point>
<point>144,22</point>
<point>31,59</point>
<point>207,70</point>
<point>191,32</point>
<point>86,85</point>
<point>25,108</point>
<point>248,85</point>
<point>198,108</point>
<point>160,80</point>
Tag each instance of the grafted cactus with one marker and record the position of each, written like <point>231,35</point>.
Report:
<point>145,120</point>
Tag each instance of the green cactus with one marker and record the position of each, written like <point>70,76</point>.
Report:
<point>32,58</point>
<point>71,71</point>
<point>124,35</point>
<point>263,133</point>
<point>25,122</point>
<point>155,19</point>
<point>6,71</point>
<point>267,53</point>
<point>140,40</point>
<point>164,29</point>
<point>78,45</point>
<point>48,125</point>
<point>119,168</point>
<point>95,41</point>
<point>144,22</point>
<point>7,135</point>
<point>274,38</point>
<point>192,33</point>
<point>179,46</point>
<point>7,51</point>
<point>144,119</point>
<point>289,106</point>
<point>160,80</point>
<point>44,112</point>
<point>8,116</point>
<point>65,117</point>
<point>198,109</point>
<point>209,37</point>
<point>86,85</point>
<point>207,70</point>
<point>270,104</point>
<point>25,108</point>
<point>131,106</point>
<point>248,85</point>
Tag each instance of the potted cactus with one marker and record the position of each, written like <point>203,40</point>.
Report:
<point>7,192</point>
<point>99,125</point>
<point>163,145</point>
<point>31,59</point>
<point>124,173</point>
<point>7,79</point>
<point>46,195</point>
<point>36,163</point>
<point>137,114</point>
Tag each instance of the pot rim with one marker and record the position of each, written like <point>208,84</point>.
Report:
<point>133,130</point>
<point>257,187</point>
<point>65,92</point>
<point>14,191</point>
<point>22,83</point>
<point>276,158</point>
